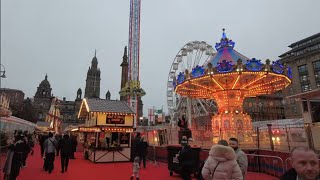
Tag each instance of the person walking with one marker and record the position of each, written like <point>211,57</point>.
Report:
<point>15,157</point>
<point>142,150</point>
<point>50,146</point>
<point>135,142</point>
<point>135,168</point>
<point>242,158</point>
<point>65,146</point>
<point>74,146</point>
<point>221,164</point>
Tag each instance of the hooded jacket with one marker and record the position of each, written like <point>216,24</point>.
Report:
<point>221,164</point>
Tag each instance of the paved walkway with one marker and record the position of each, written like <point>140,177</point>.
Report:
<point>82,169</point>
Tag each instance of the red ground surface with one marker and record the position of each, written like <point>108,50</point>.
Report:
<point>80,169</point>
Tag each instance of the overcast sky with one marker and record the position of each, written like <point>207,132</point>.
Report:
<point>58,38</point>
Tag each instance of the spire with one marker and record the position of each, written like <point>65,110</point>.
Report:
<point>224,36</point>
<point>94,62</point>
<point>125,52</point>
<point>46,77</point>
<point>108,95</point>
<point>224,42</point>
<point>124,58</point>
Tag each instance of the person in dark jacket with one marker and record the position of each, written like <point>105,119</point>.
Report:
<point>74,146</point>
<point>305,165</point>
<point>14,164</point>
<point>135,142</point>
<point>185,159</point>
<point>65,147</point>
<point>142,150</point>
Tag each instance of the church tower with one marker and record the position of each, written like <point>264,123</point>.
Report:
<point>93,80</point>
<point>42,100</point>
<point>124,73</point>
<point>44,89</point>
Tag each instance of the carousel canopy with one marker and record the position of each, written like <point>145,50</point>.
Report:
<point>103,105</point>
<point>225,51</point>
<point>232,76</point>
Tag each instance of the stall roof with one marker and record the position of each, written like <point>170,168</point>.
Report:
<point>103,105</point>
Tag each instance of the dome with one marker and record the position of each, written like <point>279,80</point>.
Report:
<point>226,52</point>
<point>45,82</point>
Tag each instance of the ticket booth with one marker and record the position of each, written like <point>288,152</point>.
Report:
<point>107,131</point>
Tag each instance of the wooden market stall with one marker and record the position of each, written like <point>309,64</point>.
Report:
<point>107,130</point>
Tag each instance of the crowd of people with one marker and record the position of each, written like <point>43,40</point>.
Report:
<point>18,151</point>
<point>226,160</point>
<point>50,145</point>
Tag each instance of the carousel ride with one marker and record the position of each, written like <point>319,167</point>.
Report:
<point>228,78</point>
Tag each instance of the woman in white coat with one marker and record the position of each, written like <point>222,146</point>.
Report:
<point>221,164</point>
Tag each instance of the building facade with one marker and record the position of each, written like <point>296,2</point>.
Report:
<point>15,97</point>
<point>92,89</point>
<point>266,107</point>
<point>304,60</point>
<point>42,100</point>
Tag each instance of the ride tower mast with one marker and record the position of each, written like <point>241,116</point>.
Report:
<point>133,90</point>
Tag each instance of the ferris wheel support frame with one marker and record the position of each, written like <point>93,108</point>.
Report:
<point>189,64</point>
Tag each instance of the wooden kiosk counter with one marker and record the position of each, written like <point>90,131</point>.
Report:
<point>107,131</point>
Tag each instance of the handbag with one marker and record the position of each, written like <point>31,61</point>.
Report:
<point>214,170</point>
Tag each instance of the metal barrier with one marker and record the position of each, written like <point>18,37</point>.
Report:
<point>272,165</point>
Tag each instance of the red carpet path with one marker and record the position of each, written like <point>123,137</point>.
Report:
<point>81,169</point>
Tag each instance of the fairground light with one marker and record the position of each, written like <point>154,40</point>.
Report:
<point>228,78</point>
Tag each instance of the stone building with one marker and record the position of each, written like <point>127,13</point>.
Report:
<point>266,107</point>
<point>92,89</point>
<point>304,60</point>
<point>15,97</point>
<point>42,100</point>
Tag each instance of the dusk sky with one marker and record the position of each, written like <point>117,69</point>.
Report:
<point>59,37</point>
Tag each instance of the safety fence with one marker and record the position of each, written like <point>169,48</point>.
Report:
<point>281,138</point>
<point>272,165</point>
<point>266,164</point>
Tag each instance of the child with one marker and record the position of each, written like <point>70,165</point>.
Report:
<point>135,168</point>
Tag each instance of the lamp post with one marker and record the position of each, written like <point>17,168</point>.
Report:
<point>2,72</point>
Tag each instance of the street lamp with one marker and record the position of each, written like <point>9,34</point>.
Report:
<point>3,72</point>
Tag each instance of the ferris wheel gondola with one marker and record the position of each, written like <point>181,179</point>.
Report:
<point>191,55</point>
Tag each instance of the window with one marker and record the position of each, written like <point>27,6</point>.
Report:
<point>304,78</point>
<point>302,69</point>
<point>316,69</point>
<point>294,109</point>
<point>306,88</point>
<point>316,65</point>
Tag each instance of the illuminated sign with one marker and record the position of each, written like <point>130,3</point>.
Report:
<point>115,119</point>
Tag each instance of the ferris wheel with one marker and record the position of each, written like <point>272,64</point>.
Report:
<point>189,56</point>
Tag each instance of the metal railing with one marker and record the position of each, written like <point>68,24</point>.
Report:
<point>272,165</point>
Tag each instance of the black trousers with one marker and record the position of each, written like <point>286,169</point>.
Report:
<point>64,161</point>
<point>143,159</point>
<point>24,158</point>
<point>50,161</point>
<point>186,173</point>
